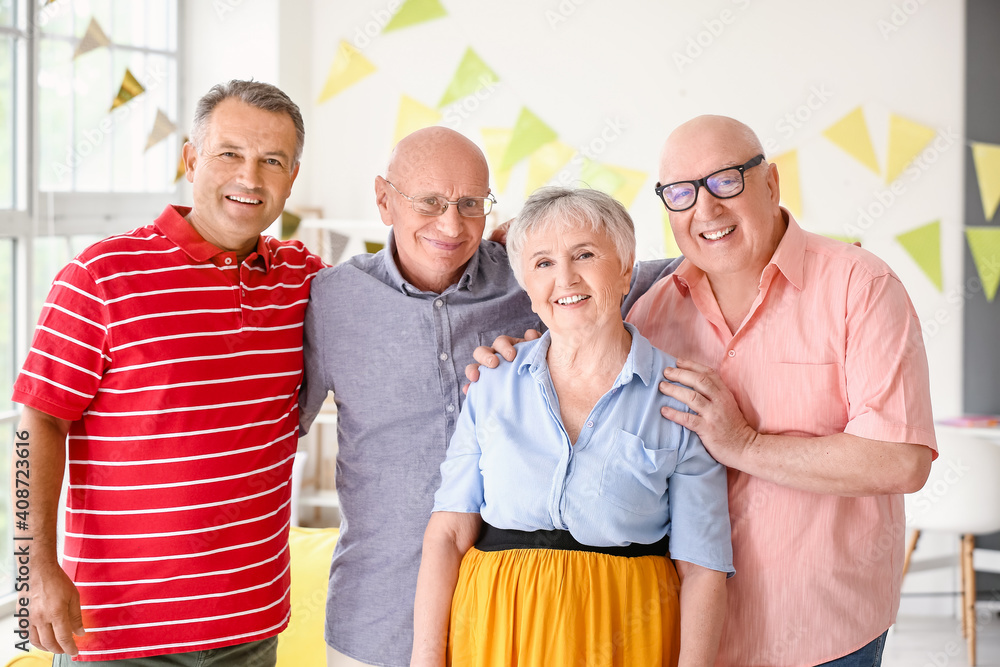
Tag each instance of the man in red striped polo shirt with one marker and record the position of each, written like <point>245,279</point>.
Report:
<point>166,368</point>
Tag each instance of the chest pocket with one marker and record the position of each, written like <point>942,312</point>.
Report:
<point>634,477</point>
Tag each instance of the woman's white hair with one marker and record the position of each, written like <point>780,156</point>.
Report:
<point>583,208</point>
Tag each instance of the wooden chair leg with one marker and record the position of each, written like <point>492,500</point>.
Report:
<point>911,544</point>
<point>968,544</point>
<point>963,569</point>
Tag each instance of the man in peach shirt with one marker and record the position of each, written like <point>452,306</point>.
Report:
<point>802,360</point>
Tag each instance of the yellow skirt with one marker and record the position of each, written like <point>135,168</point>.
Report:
<point>555,608</point>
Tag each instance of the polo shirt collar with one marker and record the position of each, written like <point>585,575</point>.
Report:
<point>174,225</point>
<point>396,279</point>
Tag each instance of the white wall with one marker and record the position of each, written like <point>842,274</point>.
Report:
<point>789,69</point>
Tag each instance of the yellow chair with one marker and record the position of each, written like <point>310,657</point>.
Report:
<point>302,641</point>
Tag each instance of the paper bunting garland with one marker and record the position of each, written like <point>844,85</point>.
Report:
<point>332,246</point>
<point>348,67</point>
<point>530,134</point>
<point>162,128</point>
<point>130,88</point>
<point>289,224</point>
<point>413,116</point>
<point>544,164</point>
<point>632,182</point>
<point>495,142</point>
<point>906,140</point>
<point>413,12</point>
<point>987,160</point>
<point>181,168</point>
<point>984,242</point>
<point>599,177</point>
<point>924,246</point>
<point>93,38</point>
<point>373,246</point>
<point>670,247</point>
<point>850,133</point>
<point>788,181</point>
<point>471,76</point>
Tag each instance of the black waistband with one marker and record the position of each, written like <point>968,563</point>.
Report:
<point>498,539</point>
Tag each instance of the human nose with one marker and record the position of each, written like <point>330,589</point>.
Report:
<point>567,274</point>
<point>248,175</point>
<point>706,205</point>
<point>450,222</point>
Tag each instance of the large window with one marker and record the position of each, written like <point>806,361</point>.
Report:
<point>72,170</point>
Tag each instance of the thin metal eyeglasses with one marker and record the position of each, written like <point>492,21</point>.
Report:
<point>469,207</point>
<point>723,184</point>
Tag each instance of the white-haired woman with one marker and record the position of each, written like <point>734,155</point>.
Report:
<point>566,500</point>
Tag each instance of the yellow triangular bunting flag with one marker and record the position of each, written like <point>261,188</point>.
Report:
<point>181,169</point>
<point>289,224</point>
<point>788,181</point>
<point>413,116</point>
<point>413,12</point>
<point>530,134</point>
<point>93,38</point>
<point>670,247</point>
<point>632,182</point>
<point>348,67</point>
<point>544,164</point>
<point>472,76</point>
<point>987,159</point>
<point>130,88</point>
<point>984,242</point>
<point>600,177</point>
<point>850,133</point>
<point>495,141</point>
<point>906,140</point>
<point>162,128</point>
<point>924,246</point>
<point>373,246</point>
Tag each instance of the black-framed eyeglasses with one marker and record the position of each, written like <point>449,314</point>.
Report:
<point>723,184</point>
<point>469,207</point>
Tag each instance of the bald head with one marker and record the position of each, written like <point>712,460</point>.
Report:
<point>429,149</point>
<point>706,136</point>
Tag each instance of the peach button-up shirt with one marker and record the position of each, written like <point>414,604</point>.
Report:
<point>831,345</point>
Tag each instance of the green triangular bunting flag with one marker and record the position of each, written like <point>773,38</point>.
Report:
<point>924,246</point>
<point>472,75</point>
<point>413,12</point>
<point>985,245</point>
<point>530,134</point>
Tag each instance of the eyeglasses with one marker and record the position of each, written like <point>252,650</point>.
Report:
<point>723,184</point>
<point>469,207</point>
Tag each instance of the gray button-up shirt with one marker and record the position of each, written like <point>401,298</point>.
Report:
<point>395,358</point>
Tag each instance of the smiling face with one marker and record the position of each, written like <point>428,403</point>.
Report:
<point>432,251</point>
<point>241,175</point>
<point>723,237</point>
<point>574,277</point>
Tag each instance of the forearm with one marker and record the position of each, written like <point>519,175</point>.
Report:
<point>703,611</point>
<point>839,464</point>
<point>43,471</point>
<point>443,551</point>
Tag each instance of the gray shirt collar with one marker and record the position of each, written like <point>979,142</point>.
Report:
<point>396,279</point>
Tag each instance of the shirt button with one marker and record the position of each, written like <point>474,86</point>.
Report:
<point>229,260</point>
<point>732,353</point>
<point>443,357</point>
<point>590,424</point>
<point>244,292</point>
<point>439,303</point>
<point>451,408</point>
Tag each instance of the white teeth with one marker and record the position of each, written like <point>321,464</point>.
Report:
<point>243,200</point>
<point>715,236</point>
<point>568,300</point>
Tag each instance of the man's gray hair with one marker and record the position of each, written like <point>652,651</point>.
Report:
<point>583,208</point>
<point>260,95</point>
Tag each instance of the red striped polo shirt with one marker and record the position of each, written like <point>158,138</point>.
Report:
<point>180,369</point>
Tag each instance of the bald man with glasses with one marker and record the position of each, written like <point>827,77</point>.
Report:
<point>802,361</point>
<point>389,334</point>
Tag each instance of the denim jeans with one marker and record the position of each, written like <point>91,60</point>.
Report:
<point>866,656</point>
<point>261,653</point>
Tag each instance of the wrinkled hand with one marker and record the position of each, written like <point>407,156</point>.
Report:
<point>54,610</point>
<point>715,416</point>
<point>490,356</point>
<point>499,235</point>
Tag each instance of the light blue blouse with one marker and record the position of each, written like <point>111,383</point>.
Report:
<point>632,476</point>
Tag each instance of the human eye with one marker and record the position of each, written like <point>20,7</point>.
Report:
<point>585,254</point>
<point>274,162</point>
<point>543,263</point>
<point>428,200</point>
